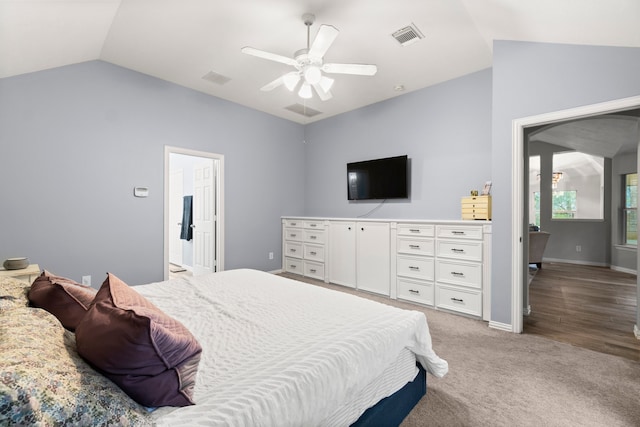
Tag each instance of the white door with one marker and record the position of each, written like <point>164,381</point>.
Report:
<point>176,191</point>
<point>373,257</point>
<point>204,217</point>
<point>342,253</point>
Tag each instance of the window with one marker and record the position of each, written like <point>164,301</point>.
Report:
<point>631,209</point>
<point>577,182</point>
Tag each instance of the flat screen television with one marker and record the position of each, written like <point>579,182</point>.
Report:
<point>378,179</point>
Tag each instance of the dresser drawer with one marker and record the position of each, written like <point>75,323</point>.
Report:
<point>424,230</point>
<point>314,269</point>
<point>457,232</point>
<point>293,234</point>
<point>314,236</point>
<point>314,252</point>
<point>293,249</point>
<point>314,225</point>
<point>416,267</point>
<point>469,251</point>
<point>459,273</point>
<point>292,223</point>
<point>416,291</point>
<point>466,301</point>
<point>408,245</point>
<point>293,265</point>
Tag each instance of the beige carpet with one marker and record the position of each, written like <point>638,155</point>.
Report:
<point>502,379</point>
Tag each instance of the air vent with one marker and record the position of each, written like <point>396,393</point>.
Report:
<point>408,35</point>
<point>216,78</point>
<point>303,110</point>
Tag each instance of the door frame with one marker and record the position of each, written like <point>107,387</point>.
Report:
<point>218,202</point>
<point>517,188</point>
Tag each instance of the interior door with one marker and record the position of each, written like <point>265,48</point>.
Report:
<point>176,190</point>
<point>204,218</point>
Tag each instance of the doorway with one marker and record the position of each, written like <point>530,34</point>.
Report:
<point>519,228</point>
<point>193,211</point>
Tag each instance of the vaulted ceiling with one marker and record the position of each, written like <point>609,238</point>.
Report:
<point>182,41</point>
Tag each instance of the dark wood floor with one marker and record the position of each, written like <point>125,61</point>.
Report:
<point>590,307</point>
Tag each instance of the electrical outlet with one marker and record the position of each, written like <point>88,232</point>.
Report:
<point>86,280</point>
<point>270,255</point>
<point>578,248</point>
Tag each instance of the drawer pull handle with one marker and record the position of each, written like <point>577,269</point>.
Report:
<point>414,268</point>
<point>456,273</point>
<point>292,250</point>
<point>313,252</point>
<point>459,251</point>
<point>457,300</point>
<point>292,266</point>
<point>458,233</point>
<point>413,291</point>
<point>414,246</point>
<point>292,235</point>
<point>312,225</point>
<point>293,224</point>
<point>313,270</point>
<point>313,237</point>
<point>414,230</point>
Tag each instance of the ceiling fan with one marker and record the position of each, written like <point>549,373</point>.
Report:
<point>309,64</point>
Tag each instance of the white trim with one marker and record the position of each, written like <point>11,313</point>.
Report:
<point>636,331</point>
<point>501,326</point>
<point>219,203</point>
<point>624,270</point>
<point>576,262</point>
<point>517,190</point>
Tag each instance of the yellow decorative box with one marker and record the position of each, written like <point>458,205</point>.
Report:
<point>476,207</point>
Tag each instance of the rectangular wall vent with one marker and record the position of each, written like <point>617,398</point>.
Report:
<point>216,78</point>
<point>303,109</point>
<point>408,35</point>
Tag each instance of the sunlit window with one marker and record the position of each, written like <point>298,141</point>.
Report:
<point>631,209</point>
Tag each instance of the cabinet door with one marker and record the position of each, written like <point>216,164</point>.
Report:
<point>373,257</point>
<point>342,253</point>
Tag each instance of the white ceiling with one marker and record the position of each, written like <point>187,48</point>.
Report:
<point>182,40</point>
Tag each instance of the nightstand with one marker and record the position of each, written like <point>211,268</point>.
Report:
<point>28,274</point>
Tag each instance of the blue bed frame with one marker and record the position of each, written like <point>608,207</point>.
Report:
<point>391,410</point>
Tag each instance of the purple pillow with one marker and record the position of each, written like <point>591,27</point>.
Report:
<point>64,298</point>
<point>151,356</point>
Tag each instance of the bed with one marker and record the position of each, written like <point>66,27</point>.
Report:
<point>274,352</point>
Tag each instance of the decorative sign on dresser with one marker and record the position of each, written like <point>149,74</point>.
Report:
<point>441,264</point>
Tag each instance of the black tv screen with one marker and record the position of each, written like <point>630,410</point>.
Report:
<point>378,179</point>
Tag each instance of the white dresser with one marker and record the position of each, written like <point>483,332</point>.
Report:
<point>304,247</point>
<point>442,264</point>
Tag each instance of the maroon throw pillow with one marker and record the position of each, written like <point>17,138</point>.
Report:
<point>64,298</point>
<point>151,356</point>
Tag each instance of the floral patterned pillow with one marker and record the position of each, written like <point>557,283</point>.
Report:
<point>43,380</point>
<point>13,293</point>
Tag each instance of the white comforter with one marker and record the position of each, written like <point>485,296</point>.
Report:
<point>278,352</point>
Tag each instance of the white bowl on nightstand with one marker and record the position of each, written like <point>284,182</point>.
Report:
<point>16,263</point>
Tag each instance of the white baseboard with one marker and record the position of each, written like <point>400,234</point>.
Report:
<point>636,331</point>
<point>624,270</point>
<point>275,271</point>
<point>575,261</point>
<point>501,326</point>
<point>526,311</point>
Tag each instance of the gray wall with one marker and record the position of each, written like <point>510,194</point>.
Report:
<point>445,130</point>
<point>75,141</point>
<point>531,79</point>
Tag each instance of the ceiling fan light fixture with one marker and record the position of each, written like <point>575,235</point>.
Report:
<point>312,75</point>
<point>326,83</point>
<point>291,80</point>
<point>305,91</point>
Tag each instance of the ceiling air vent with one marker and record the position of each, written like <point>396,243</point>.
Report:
<point>408,35</point>
<point>302,109</point>
<point>216,78</point>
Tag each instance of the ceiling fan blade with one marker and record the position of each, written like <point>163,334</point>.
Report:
<point>325,37</point>
<point>274,84</point>
<point>325,96</point>
<point>268,55</point>
<point>358,69</point>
